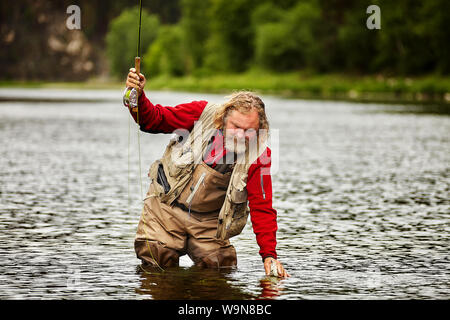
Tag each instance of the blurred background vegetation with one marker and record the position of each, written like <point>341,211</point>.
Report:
<point>294,47</point>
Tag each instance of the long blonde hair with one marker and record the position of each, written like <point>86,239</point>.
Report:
<point>244,102</point>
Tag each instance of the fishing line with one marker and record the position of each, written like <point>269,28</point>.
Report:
<point>137,67</point>
<point>137,102</point>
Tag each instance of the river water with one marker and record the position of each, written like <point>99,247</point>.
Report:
<point>361,191</point>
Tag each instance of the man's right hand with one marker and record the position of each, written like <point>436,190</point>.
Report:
<point>280,269</point>
<point>135,81</point>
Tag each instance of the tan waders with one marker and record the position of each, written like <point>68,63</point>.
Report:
<point>189,226</point>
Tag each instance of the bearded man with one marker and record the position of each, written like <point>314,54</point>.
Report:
<point>211,177</point>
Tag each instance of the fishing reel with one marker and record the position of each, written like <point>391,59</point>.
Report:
<point>130,95</point>
<point>130,98</point>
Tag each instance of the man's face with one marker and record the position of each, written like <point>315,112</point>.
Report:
<point>240,129</point>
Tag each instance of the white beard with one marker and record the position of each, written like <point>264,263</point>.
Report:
<point>245,149</point>
<point>233,144</point>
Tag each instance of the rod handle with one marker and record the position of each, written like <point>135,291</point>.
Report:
<point>137,66</point>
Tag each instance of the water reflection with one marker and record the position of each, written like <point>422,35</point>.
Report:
<point>270,287</point>
<point>184,283</point>
<point>180,283</point>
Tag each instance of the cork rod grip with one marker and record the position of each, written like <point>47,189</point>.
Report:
<point>137,66</point>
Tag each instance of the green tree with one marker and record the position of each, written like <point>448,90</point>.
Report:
<point>195,25</point>
<point>435,16</point>
<point>267,12</point>
<point>167,55</point>
<point>122,38</point>
<point>230,44</point>
<point>413,37</point>
<point>291,42</point>
<point>356,44</point>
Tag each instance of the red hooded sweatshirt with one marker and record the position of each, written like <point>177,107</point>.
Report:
<point>165,119</point>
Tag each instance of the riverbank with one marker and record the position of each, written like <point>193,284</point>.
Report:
<point>424,89</point>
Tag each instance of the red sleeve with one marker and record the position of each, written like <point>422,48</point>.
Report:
<point>160,119</point>
<point>262,214</point>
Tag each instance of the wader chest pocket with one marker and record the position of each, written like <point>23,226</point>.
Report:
<point>238,196</point>
<point>162,179</point>
<point>238,192</point>
<point>206,190</point>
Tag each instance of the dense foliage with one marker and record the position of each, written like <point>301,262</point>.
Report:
<point>121,44</point>
<point>206,37</point>
<point>327,36</point>
<point>317,35</point>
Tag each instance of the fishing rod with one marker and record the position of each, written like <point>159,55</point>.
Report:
<point>130,100</point>
<point>131,97</point>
